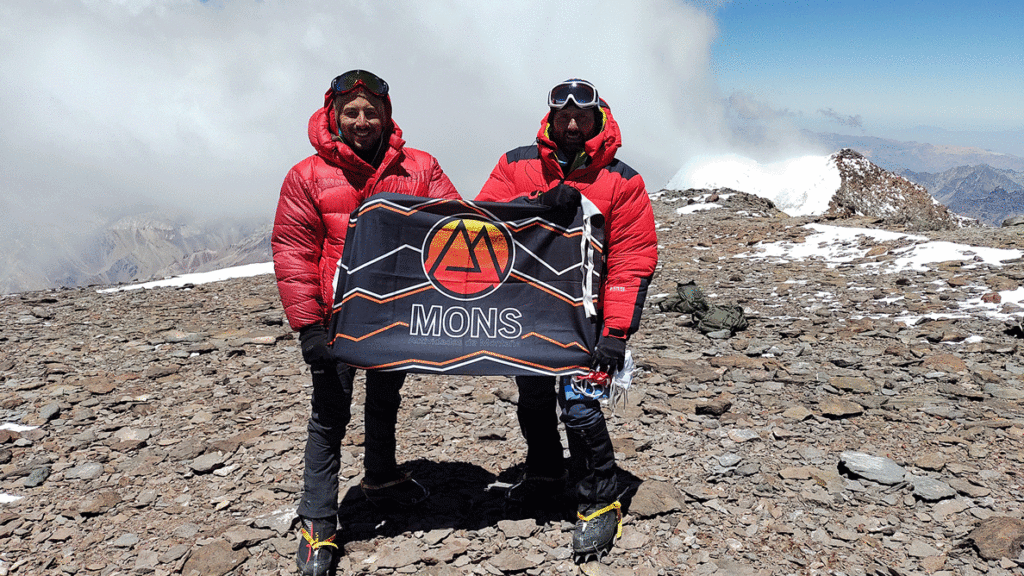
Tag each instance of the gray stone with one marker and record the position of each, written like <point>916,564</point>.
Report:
<point>37,477</point>
<point>279,521</point>
<point>921,549</point>
<point>876,468</point>
<point>85,471</point>
<point>949,507</point>
<point>125,541</point>
<point>244,536</point>
<point>517,528</point>
<point>835,407</point>
<point>146,561</point>
<point>729,459</point>
<point>743,435</point>
<point>407,552</point>
<point>931,489</point>
<point>174,553</point>
<point>207,462</point>
<point>969,488</point>
<point>655,498</point>
<point>50,411</point>
<point>512,561</point>
<point>1003,392</point>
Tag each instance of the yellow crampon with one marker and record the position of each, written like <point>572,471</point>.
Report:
<point>314,544</point>
<point>618,514</point>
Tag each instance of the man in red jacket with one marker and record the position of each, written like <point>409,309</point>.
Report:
<point>574,155</point>
<point>359,152</point>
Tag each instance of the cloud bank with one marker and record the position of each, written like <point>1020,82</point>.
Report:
<point>108,105</point>
<point>207,104</point>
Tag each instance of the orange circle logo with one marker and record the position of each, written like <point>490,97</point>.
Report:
<point>467,259</point>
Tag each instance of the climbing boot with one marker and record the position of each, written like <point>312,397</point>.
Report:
<point>597,528</point>
<point>317,548</point>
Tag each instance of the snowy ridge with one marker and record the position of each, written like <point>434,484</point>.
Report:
<point>799,187</point>
<point>870,191</point>
<point>845,184</point>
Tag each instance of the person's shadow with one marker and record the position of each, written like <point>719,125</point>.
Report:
<point>463,496</point>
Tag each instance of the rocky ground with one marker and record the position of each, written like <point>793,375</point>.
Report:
<point>827,438</point>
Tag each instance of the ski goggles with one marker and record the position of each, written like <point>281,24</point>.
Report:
<point>353,79</point>
<point>581,92</point>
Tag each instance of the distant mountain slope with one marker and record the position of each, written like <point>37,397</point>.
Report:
<point>945,185</point>
<point>899,156</point>
<point>988,194</point>
<point>138,247</point>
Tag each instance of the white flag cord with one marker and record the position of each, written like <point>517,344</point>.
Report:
<point>589,211</point>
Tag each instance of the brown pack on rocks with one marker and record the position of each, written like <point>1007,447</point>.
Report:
<point>708,317</point>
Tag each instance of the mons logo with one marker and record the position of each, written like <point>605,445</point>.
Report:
<point>467,259</point>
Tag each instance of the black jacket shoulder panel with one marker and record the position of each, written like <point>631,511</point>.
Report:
<point>522,153</point>
<point>622,169</point>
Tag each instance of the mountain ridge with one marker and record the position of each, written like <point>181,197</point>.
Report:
<point>899,155</point>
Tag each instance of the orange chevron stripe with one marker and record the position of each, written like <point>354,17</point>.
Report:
<point>382,301</point>
<point>545,290</point>
<point>545,226</point>
<point>555,342</point>
<point>407,212</point>
<point>374,333</point>
<point>471,355</point>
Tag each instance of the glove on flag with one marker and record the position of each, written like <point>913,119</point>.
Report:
<point>456,287</point>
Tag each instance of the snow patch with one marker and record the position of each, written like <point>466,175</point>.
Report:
<point>203,277</point>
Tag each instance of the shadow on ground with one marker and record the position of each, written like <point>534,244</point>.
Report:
<point>463,496</point>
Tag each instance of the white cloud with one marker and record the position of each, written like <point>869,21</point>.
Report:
<point>206,105</point>
<point>798,186</point>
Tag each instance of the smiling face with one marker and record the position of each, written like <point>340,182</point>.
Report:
<point>361,120</point>
<point>571,127</point>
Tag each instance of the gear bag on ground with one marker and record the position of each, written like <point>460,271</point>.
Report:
<point>707,317</point>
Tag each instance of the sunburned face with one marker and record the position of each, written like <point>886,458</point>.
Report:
<point>571,127</point>
<point>361,122</point>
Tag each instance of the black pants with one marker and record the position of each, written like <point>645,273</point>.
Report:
<point>329,417</point>
<point>590,445</point>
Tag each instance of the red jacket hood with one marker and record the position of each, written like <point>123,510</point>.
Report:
<point>331,148</point>
<point>601,148</point>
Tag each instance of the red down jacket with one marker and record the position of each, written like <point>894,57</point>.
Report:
<point>619,193</point>
<point>317,197</point>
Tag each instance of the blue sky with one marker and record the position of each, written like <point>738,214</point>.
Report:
<point>895,64</point>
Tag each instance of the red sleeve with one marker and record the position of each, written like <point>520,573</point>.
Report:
<point>631,259</point>
<point>297,242</point>
<point>440,185</point>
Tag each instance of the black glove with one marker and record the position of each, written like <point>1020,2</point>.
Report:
<point>609,354</point>
<point>561,197</point>
<point>313,340</point>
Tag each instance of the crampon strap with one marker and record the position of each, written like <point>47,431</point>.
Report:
<point>314,544</point>
<point>618,513</point>
<point>367,486</point>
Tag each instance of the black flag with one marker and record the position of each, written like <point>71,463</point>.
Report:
<point>457,287</point>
